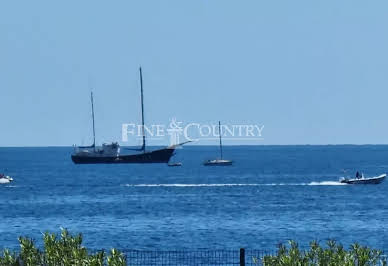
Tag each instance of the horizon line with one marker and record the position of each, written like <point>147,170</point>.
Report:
<point>200,145</point>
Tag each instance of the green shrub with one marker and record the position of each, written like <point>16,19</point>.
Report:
<point>332,255</point>
<point>63,251</point>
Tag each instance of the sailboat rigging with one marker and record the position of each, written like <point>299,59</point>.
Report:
<point>219,133</point>
<point>143,147</point>
<point>93,125</point>
<point>94,128</point>
<point>142,109</point>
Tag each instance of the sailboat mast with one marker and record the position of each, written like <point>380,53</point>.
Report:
<point>94,130</point>
<point>219,132</point>
<point>142,110</point>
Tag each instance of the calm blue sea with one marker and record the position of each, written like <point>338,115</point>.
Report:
<point>270,195</point>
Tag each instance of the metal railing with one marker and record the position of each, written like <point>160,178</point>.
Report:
<point>242,257</point>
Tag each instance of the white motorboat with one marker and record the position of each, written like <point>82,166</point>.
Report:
<point>219,162</point>
<point>361,180</point>
<point>4,179</point>
<point>175,164</point>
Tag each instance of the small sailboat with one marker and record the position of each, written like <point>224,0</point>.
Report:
<point>361,180</point>
<point>4,179</point>
<point>110,153</point>
<point>221,161</point>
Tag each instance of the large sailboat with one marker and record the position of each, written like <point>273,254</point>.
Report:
<point>220,161</point>
<point>110,153</point>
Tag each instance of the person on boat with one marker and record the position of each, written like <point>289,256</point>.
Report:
<point>358,175</point>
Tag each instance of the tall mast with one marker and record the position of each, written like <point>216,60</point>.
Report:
<point>219,132</point>
<point>142,110</point>
<point>94,130</point>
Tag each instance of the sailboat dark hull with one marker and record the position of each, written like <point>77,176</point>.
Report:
<point>157,156</point>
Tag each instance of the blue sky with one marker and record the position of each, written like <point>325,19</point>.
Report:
<point>312,72</point>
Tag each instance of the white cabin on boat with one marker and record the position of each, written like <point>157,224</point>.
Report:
<point>106,150</point>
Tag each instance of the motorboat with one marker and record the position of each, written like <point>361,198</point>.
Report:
<point>362,180</point>
<point>4,179</point>
<point>175,164</point>
<point>218,162</point>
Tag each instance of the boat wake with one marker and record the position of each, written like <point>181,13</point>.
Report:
<point>322,183</point>
<point>191,185</point>
<point>327,183</point>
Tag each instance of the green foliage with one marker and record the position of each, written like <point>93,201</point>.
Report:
<point>116,258</point>
<point>8,258</point>
<point>65,250</point>
<point>332,255</point>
